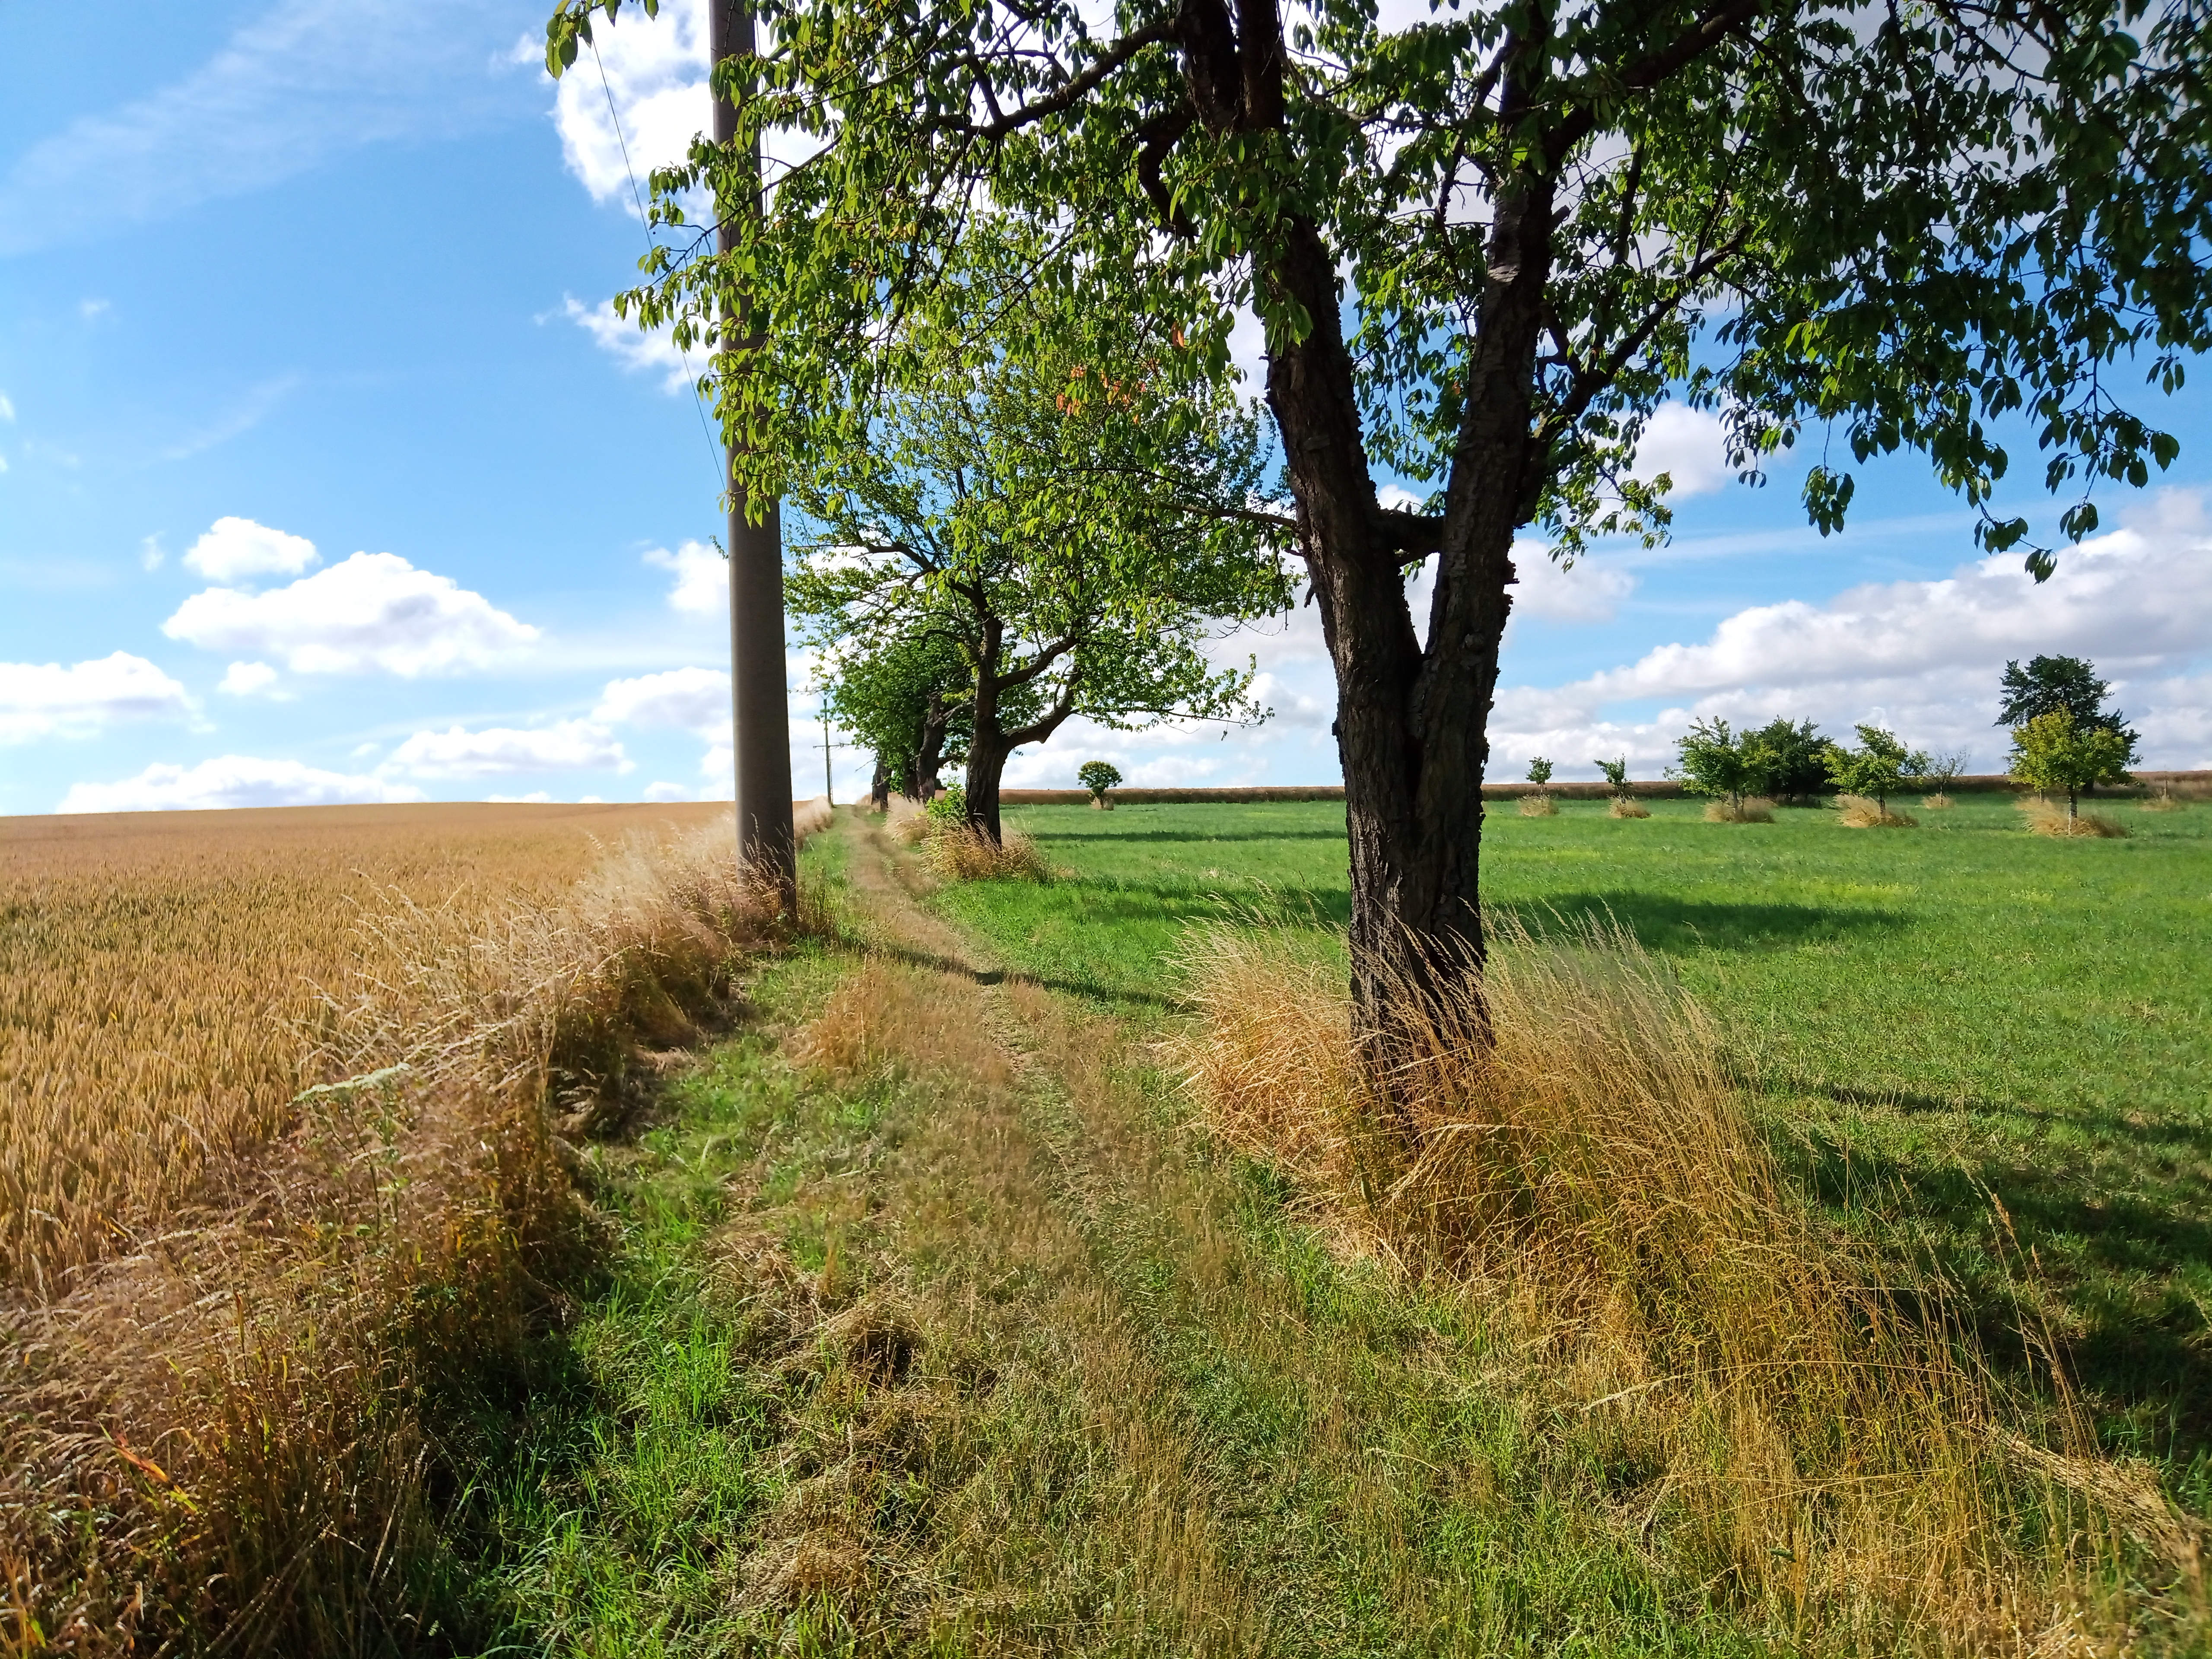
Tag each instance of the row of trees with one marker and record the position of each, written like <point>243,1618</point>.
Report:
<point>1484,245</point>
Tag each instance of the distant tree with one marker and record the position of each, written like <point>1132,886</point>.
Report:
<point>1712,760</point>
<point>2056,751</point>
<point>1944,771</point>
<point>2050,685</point>
<point>1077,533</point>
<point>903,693</point>
<point>1540,772</point>
<point>1790,758</point>
<point>1880,767</point>
<point>1098,776</point>
<point>1616,773</point>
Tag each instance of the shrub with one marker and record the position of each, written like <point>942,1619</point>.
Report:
<point>1626,806</point>
<point>1539,806</point>
<point>1616,773</point>
<point>1540,772</point>
<point>948,807</point>
<point>1857,812</point>
<point>1098,776</point>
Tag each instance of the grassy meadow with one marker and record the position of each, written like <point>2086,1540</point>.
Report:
<point>653,1276</point>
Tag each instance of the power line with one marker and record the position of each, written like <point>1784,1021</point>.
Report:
<point>637,195</point>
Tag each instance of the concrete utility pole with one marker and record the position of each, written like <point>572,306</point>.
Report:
<point>760,710</point>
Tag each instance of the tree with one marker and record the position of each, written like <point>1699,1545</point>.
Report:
<point>1712,760</point>
<point>1539,773</point>
<point>1616,773</point>
<point>1098,776</point>
<point>2062,684</point>
<point>903,695</point>
<point>1879,767</point>
<point>1050,532</point>
<point>1484,246</point>
<point>2055,751</point>
<point>1791,759</point>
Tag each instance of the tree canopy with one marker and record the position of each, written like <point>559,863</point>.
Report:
<point>1073,539</point>
<point>1484,245</point>
<point>2051,685</point>
<point>2055,753</point>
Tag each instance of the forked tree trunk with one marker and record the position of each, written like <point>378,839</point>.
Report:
<point>1411,722</point>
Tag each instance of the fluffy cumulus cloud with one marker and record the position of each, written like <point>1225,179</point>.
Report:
<point>1689,446</point>
<point>1920,657</point>
<point>693,699</point>
<point>667,792</point>
<point>43,700</point>
<point>503,752</point>
<point>235,549</point>
<point>702,586</point>
<point>375,612</point>
<point>656,82</point>
<point>232,780</point>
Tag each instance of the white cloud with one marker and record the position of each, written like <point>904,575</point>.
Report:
<point>151,553</point>
<point>232,781</point>
<point>702,586</point>
<point>695,699</point>
<point>634,347</point>
<point>656,78</point>
<point>47,699</point>
<point>668,792</point>
<point>374,611</point>
<point>235,548</point>
<point>305,81</point>
<point>1688,445</point>
<point>246,679</point>
<point>1919,657</point>
<point>1588,592</point>
<point>535,798</point>
<point>499,751</point>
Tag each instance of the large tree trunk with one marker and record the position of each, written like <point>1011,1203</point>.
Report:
<point>929,759</point>
<point>1411,722</point>
<point>986,763</point>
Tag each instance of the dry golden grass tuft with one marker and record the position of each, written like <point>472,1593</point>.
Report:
<point>1938,802</point>
<point>2164,799</point>
<point>1626,806</point>
<point>1756,810</point>
<point>218,1432</point>
<point>2050,817</point>
<point>1539,806</point>
<point>960,852</point>
<point>1805,1446</point>
<point>1858,812</point>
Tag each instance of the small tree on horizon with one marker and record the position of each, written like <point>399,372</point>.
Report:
<point>1098,776</point>
<point>1880,767</point>
<point>1539,773</point>
<point>2056,751</point>
<point>1616,773</point>
<point>2050,685</point>
<point>1790,758</point>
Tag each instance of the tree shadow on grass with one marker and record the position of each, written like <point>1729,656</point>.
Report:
<point>2107,1241</point>
<point>1083,988</point>
<point>1661,921</point>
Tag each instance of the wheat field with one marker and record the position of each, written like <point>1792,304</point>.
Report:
<point>156,970</point>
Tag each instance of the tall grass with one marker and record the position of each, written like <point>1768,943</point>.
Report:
<point>241,1435</point>
<point>2047,818</point>
<point>1755,810</point>
<point>1861,813</point>
<point>1762,1408</point>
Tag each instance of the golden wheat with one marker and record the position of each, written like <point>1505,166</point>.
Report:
<point>153,967</point>
<point>214,1436</point>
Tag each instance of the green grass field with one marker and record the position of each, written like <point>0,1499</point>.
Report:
<point>928,1325</point>
<point>1934,1016</point>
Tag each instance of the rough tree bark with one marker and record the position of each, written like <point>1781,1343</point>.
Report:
<point>993,742</point>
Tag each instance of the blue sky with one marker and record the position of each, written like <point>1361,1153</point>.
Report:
<point>326,476</point>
